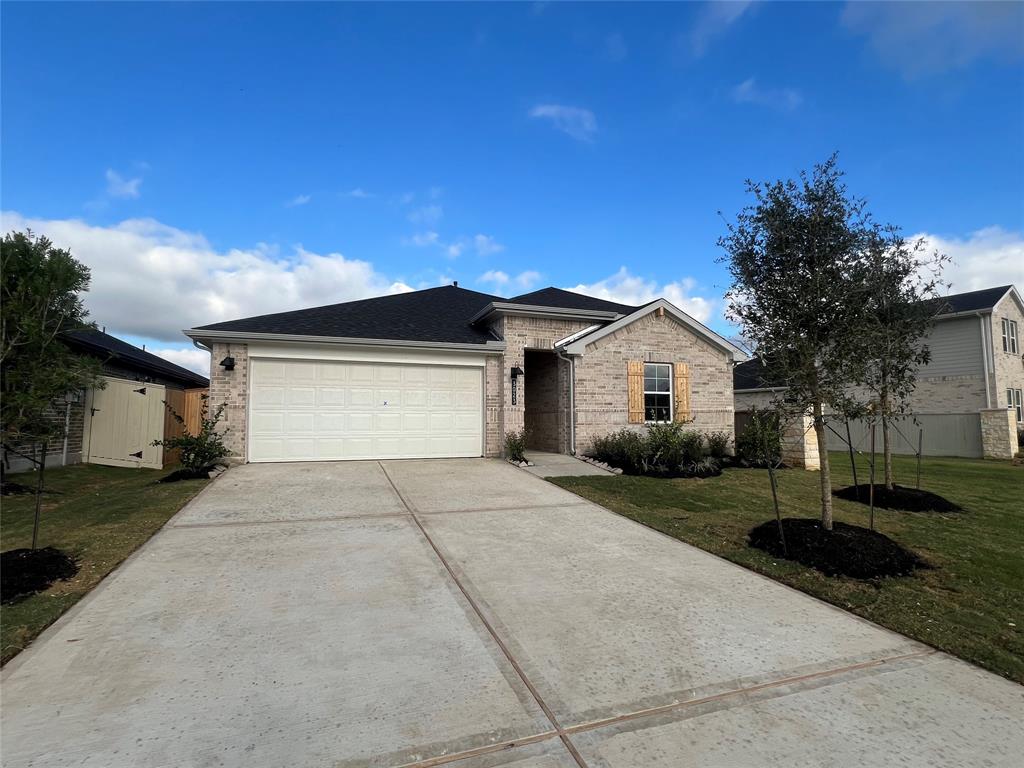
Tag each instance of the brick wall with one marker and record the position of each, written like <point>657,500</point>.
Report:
<point>602,390</point>
<point>1009,367</point>
<point>999,433</point>
<point>494,437</point>
<point>232,389</point>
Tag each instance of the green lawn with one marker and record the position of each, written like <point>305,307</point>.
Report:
<point>971,604</point>
<point>99,515</point>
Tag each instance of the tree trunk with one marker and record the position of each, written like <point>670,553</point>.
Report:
<point>39,496</point>
<point>825,478</point>
<point>887,452</point>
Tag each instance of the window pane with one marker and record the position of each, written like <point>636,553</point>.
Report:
<point>649,385</point>
<point>663,385</point>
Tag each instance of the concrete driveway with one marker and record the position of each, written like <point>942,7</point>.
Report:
<point>465,612</point>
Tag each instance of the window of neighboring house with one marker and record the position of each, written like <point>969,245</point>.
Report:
<point>1010,336</point>
<point>1014,400</point>
<point>657,392</point>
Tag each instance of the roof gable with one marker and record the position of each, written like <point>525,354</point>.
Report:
<point>562,299</point>
<point>972,301</point>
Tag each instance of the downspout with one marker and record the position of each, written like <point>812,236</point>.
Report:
<point>572,400</point>
<point>67,426</point>
<point>984,360</point>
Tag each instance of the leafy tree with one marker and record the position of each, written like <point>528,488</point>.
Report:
<point>40,301</point>
<point>903,283</point>
<point>797,293</point>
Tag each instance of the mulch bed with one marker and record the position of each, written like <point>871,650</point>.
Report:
<point>900,498</point>
<point>26,571</point>
<point>10,488</point>
<point>846,550</point>
<point>186,474</point>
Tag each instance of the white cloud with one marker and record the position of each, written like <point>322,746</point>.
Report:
<point>151,280</point>
<point>486,245</point>
<point>118,186</point>
<point>360,194</point>
<point>574,121</point>
<point>423,239</point>
<point>748,92</point>
<point>926,38</point>
<point>194,359</point>
<point>624,288</point>
<point>714,19</point>
<point>298,200</point>
<point>427,215</point>
<point>984,259</point>
<point>524,280</point>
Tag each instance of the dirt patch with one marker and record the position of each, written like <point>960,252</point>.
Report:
<point>900,497</point>
<point>27,571</point>
<point>846,550</point>
<point>187,474</point>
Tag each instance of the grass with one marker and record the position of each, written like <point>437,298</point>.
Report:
<point>970,604</point>
<point>97,514</point>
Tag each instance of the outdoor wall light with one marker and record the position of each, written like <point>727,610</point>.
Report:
<point>516,371</point>
<point>228,363</point>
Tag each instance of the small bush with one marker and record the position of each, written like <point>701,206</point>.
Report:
<point>661,450</point>
<point>515,445</point>
<point>760,442</point>
<point>201,450</point>
<point>718,444</point>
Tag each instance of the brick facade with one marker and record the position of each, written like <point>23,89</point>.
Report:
<point>999,433</point>
<point>1008,366</point>
<point>231,388</point>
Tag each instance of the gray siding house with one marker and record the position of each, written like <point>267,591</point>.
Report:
<point>968,400</point>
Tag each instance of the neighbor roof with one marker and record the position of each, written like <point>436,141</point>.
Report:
<point>556,297</point>
<point>432,315</point>
<point>753,374</point>
<point>972,301</point>
<point>103,345</point>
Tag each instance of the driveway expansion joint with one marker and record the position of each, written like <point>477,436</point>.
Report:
<point>559,730</point>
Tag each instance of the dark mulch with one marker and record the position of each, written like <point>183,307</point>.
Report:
<point>26,571</point>
<point>186,474</point>
<point>900,497</point>
<point>846,550</point>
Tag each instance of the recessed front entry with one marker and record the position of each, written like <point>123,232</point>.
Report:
<point>321,410</point>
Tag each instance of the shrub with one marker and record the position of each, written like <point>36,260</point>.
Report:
<point>515,445</point>
<point>760,442</point>
<point>661,450</point>
<point>718,444</point>
<point>203,449</point>
<point>622,449</point>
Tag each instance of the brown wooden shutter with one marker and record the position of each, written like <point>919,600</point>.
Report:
<point>682,383</point>
<point>635,378</point>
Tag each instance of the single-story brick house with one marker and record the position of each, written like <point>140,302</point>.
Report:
<point>447,372</point>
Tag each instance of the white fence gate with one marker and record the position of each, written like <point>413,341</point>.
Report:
<point>121,423</point>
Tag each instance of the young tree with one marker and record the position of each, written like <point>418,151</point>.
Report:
<point>40,301</point>
<point>903,283</point>
<point>797,293</point>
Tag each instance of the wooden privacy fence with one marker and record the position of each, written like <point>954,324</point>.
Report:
<point>193,409</point>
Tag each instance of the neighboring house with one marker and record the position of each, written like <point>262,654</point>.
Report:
<point>117,425</point>
<point>960,404</point>
<point>447,372</point>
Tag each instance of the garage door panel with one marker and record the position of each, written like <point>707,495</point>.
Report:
<point>324,410</point>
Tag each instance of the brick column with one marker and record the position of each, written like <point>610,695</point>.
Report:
<point>231,388</point>
<point>999,433</point>
<point>800,444</point>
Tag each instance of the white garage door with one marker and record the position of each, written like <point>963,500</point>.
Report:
<point>324,410</point>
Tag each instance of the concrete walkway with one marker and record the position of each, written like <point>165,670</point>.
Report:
<point>561,465</point>
<point>466,613</point>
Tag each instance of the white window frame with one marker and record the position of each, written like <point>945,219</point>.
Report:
<point>1010,336</point>
<point>671,394</point>
<point>1015,400</point>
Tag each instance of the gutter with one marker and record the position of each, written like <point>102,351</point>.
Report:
<point>490,347</point>
<point>529,309</point>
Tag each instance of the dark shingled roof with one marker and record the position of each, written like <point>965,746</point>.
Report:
<point>435,314</point>
<point>752,374</point>
<point>973,301</point>
<point>556,297</point>
<point>107,347</point>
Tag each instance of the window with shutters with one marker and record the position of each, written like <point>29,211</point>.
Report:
<point>657,392</point>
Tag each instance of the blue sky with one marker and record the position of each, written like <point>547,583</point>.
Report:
<point>211,161</point>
